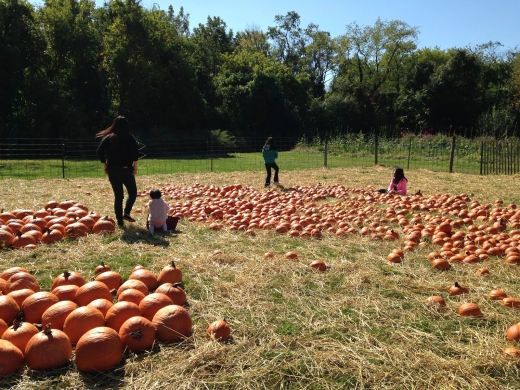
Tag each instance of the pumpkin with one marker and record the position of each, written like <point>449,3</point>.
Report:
<point>9,309</point>
<point>318,265</point>
<point>131,295</point>
<point>513,332</point>
<point>511,352</point>
<point>35,304</point>
<point>470,310</point>
<point>101,268</point>
<point>6,238</point>
<point>172,323</point>
<point>57,314</point>
<point>22,240</point>
<point>76,229</point>
<point>91,291</point>
<point>66,278</point>
<point>50,236</point>
<point>152,303</point>
<point>104,224</point>
<point>113,280</point>
<point>21,280</point>
<point>511,302</point>
<point>174,291</point>
<point>170,274</point>
<point>66,292</point>
<point>119,313</point>
<point>457,289</point>
<point>80,321</point>
<point>219,330</point>
<point>268,255</point>
<point>441,264</point>
<point>20,333</point>
<point>435,300</point>
<point>133,284</point>
<point>98,350</point>
<point>497,295</point>
<point>5,275</point>
<point>11,358</point>
<point>137,334</point>
<point>3,327</point>
<point>145,276</point>
<point>102,305</point>
<point>20,295</point>
<point>291,255</point>
<point>48,349</point>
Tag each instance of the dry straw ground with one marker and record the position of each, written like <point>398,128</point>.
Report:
<point>362,324</point>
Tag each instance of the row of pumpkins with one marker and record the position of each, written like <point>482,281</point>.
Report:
<point>82,314</point>
<point>55,221</point>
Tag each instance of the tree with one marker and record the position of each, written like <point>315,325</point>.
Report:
<point>371,65</point>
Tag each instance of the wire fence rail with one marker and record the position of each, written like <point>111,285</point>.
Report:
<point>24,158</point>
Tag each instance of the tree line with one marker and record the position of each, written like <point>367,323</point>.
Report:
<point>67,68</point>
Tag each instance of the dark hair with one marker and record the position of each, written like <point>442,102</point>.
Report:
<point>155,194</point>
<point>270,143</point>
<point>118,127</point>
<point>399,175</point>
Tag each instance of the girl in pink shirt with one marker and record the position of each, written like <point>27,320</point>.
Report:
<point>157,212</point>
<point>398,182</point>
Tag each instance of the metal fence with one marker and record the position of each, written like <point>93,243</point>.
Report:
<point>66,158</point>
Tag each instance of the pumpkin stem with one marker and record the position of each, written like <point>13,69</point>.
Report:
<point>457,284</point>
<point>178,284</point>
<point>173,264</point>
<point>137,334</point>
<point>47,329</point>
<point>66,274</point>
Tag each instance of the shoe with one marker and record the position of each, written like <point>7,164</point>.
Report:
<point>266,185</point>
<point>128,218</point>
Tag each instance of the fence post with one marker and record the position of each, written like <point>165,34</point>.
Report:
<point>452,153</point>
<point>409,153</point>
<point>326,152</point>
<point>211,153</point>
<point>376,146</point>
<point>63,157</point>
<point>481,156</point>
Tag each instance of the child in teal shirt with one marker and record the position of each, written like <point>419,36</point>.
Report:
<point>270,154</point>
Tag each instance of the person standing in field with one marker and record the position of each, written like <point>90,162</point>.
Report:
<point>270,154</point>
<point>119,153</point>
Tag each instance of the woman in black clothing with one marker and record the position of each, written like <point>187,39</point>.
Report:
<point>119,153</point>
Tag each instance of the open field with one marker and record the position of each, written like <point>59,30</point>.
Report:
<point>362,324</point>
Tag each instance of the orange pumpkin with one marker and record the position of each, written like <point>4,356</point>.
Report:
<point>48,349</point>
<point>20,295</point>
<point>104,224</point>
<point>131,295</point>
<point>219,330</point>
<point>66,292</point>
<point>98,350</point>
<point>318,265</point>
<point>153,303</point>
<point>513,332</point>
<point>57,314</point>
<point>11,358</point>
<point>435,300</point>
<point>457,289</point>
<point>170,274</point>
<point>80,321</point>
<point>101,268</point>
<point>50,236</point>
<point>3,327</point>
<point>172,323</point>
<point>103,305</point>
<point>174,291</point>
<point>145,276</point>
<point>133,284</point>
<point>91,291</point>
<point>21,280</point>
<point>20,333</point>
<point>497,295</point>
<point>9,309</point>
<point>66,278</point>
<point>470,310</point>
<point>113,280</point>
<point>119,313</point>
<point>5,275</point>
<point>137,334</point>
<point>35,304</point>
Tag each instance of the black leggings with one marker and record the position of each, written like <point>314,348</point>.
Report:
<point>268,168</point>
<point>119,178</point>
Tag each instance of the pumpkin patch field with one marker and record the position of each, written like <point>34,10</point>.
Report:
<point>321,284</point>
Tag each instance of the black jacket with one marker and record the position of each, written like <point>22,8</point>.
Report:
<point>118,151</point>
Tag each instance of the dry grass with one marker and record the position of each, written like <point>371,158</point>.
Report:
<point>362,324</point>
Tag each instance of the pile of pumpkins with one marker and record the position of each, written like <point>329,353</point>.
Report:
<point>53,222</point>
<point>82,315</point>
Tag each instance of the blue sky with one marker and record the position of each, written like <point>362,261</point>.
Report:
<point>443,23</point>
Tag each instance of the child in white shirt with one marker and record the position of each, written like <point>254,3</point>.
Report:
<point>157,212</point>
